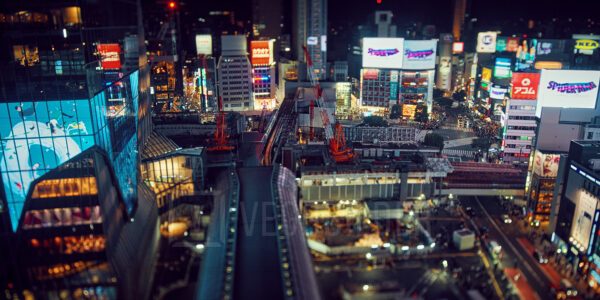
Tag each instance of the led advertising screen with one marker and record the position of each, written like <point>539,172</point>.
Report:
<point>409,110</point>
<point>458,47</point>
<point>203,44</point>
<point>585,208</point>
<point>502,67</point>
<point>384,53</point>
<point>550,47</point>
<point>370,74</point>
<point>567,88</point>
<point>546,165</point>
<point>261,52</point>
<point>486,78</point>
<point>498,92</point>
<point>38,136</point>
<point>501,44</point>
<point>486,42</point>
<point>525,86</point>
<point>419,55</point>
<point>512,44</point>
<point>525,55</point>
<point>110,56</point>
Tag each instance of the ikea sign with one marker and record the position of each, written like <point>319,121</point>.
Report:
<point>586,44</point>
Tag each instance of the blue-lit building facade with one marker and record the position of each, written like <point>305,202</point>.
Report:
<point>576,209</point>
<point>74,110</point>
<point>38,136</point>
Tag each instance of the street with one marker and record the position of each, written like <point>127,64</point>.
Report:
<point>487,213</point>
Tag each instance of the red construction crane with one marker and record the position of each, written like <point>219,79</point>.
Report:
<point>221,139</point>
<point>337,146</point>
<point>340,152</point>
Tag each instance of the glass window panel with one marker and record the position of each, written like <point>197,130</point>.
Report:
<point>50,158</point>
<point>11,158</point>
<point>54,125</point>
<point>87,141</point>
<point>36,157</point>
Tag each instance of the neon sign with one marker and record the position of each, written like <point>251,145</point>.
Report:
<point>571,88</point>
<point>383,52</point>
<point>419,54</point>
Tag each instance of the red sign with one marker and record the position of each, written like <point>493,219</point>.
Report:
<point>261,53</point>
<point>370,74</point>
<point>110,56</point>
<point>512,44</point>
<point>525,86</point>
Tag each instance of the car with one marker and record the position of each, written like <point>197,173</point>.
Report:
<point>540,257</point>
<point>506,219</point>
<point>566,290</point>
<point>535,223</point>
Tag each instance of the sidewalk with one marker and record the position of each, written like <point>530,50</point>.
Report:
<point>523,288</point>
<point>548,269</point>
<point>556,269</point>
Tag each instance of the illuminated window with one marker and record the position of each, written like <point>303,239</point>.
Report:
<point>66,187</point>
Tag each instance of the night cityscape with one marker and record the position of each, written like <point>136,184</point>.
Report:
<point>299,149</point>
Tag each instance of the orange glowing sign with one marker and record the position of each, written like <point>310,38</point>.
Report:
<point>262,52</point>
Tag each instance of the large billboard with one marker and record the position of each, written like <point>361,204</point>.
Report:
<point>585,46</point>
<point>486,42</point>
<point>501,44</point>
<point>583,219</point>
<point>497,92</point>
<point>568,88</point>
<point>550,48</point>
<point>512,44</point>
<point>370,74</point>
<point>525,86</point>
<point>384,53</point>
<point>546,165</point>
<point>409,110</point>
<point>261,52</point>
<point>486,74</point>
<point>203,44</point>
<point>502,67</point>
<point>486,78</point>
<point>110,56</point>
<point>419,55</point>
<point>36,137</point>
<point>458,47</point>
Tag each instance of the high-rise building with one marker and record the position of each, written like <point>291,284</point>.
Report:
<point>340,71</point>
<point>267,18</point>
<point>398,71</point>
<point>263,73</point>
<point>383,20</point>
<point>458,18</point>
<point>310,29</point>
<point>74,98</point>
<point>235,74</point>
<point>575,210</point>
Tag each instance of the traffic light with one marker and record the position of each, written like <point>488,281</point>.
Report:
<point>172,5</point>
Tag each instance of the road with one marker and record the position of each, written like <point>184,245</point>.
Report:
<point>488,211</point>
<point>257,268</point>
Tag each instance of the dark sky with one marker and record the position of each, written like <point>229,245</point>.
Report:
<point>437,12</point>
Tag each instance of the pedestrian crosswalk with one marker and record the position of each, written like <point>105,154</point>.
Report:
<point>463,129</point>
<point>459,152</point>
